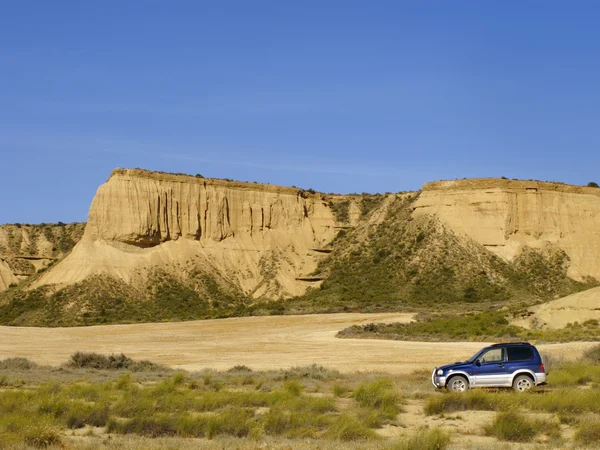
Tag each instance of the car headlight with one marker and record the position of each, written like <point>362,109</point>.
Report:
<point>440,372</point>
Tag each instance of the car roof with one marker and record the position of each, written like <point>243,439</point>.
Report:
<point>508,344</point>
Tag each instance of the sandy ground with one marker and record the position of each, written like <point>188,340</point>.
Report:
<point>259,342</point>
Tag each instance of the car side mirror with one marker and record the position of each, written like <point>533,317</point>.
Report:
<point>478,363</point>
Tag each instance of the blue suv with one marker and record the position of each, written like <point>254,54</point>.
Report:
<point>516,365</point>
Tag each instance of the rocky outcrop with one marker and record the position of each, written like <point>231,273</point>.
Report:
<point>507,216</point>
<point>26,249</point>
<point>575,308</point>
<point>266,241</point>
<point>259,237</point>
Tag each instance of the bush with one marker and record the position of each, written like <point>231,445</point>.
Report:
<point>379,395</point>
<point>17,364</point>
<point>592,184</point>
<point>588,433</point>
<point>313,372</point>
<point>41,437</point>
<point>424,439</point>
<point>83,360</point>
<point>511,426</point>
<point>593,354</point>
<point>349,428</point>
<point>476,400</point>
<point>240,368</point>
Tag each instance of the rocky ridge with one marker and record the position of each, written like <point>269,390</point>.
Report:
<point>260,238</point>
<point>189,247</point>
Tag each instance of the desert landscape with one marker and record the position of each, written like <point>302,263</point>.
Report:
<point>307,225</point>
<point>204,313</point>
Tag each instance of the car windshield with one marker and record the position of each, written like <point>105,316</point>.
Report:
<point>473,358</point>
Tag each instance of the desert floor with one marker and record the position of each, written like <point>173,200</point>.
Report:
<point>261,343</point>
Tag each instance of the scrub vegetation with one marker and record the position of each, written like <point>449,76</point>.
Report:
<point>482,326</point>
<point>111,401</point>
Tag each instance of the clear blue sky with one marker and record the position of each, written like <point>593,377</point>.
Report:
<point>338,96</point>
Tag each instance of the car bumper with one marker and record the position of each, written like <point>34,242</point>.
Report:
<point>540,378</point>
<point>438,382</point>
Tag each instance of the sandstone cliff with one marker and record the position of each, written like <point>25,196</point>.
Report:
<point>173,247</point>
<point>260,238</point>
<point>507,216</point>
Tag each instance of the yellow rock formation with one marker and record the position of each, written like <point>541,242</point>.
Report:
<point>507,215</point>
<point>260,237</point>
<point>577,307</point>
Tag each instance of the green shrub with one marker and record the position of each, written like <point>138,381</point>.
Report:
<point>380,395</point>
<point>574,374</point>
<point>41,437</point>
<point>155,426</point>
<point>78,415</point>
<point>17,364</point>
<point>566,401</point>
<point>240,368</point>
<point>293,387</point>
<point>512,426</point>
<point>593,354</point>
<point>471,400</point>
<point>313,372</point>
<point>340,390</point>
<point>425,439</point>
<point>348,428</point>
<point>295,423</point>
<point>83,360</point>
<point>588,433</point>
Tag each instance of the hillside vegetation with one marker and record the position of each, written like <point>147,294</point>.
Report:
<point>46,239</point>
<point>418,264</point>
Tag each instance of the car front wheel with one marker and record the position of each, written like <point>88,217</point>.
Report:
<point>522,383</point>
<point>458,383</point>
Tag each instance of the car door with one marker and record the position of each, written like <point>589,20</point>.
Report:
<point>518,358</point>
<point>489,369</point>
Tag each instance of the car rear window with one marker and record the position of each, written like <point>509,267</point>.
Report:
<point>519,353</point>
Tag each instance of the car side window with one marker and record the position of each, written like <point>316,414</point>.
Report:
<point>494,355</point>
<point>519,353</point>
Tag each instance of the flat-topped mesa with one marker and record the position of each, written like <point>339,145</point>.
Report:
<point>256,237</point>
<point>145,208</point>
<point>504,183</point>
<point>508,215</point>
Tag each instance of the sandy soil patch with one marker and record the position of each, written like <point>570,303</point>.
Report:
<point>261,343</point>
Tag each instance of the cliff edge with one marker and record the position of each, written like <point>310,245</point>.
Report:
<point>259,238</point>
<point>507,216</point>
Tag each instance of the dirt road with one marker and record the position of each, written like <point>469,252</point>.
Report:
<point>258,342</point>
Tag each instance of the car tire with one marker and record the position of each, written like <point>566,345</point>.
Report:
<point>522,383</point>
<point>458,383</point>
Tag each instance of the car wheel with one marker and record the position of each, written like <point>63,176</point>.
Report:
<point>522,383</point>
<point>458,383</point>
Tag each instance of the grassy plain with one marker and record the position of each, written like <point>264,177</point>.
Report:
<point>111,401</point>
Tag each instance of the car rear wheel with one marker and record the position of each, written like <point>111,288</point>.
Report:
<point>458,383</point>
<point>522,383</point>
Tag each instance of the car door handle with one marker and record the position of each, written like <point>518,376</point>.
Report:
<point>500,365</point>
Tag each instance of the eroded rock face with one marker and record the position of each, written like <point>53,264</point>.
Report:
<point>265,241</point>
<point>261,237</point>
<point>25,249</point>
<point>507,215</point>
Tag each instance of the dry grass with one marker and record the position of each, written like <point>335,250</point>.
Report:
<point>302,407</point>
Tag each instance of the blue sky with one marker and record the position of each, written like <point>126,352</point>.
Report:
<point>338,96</point>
